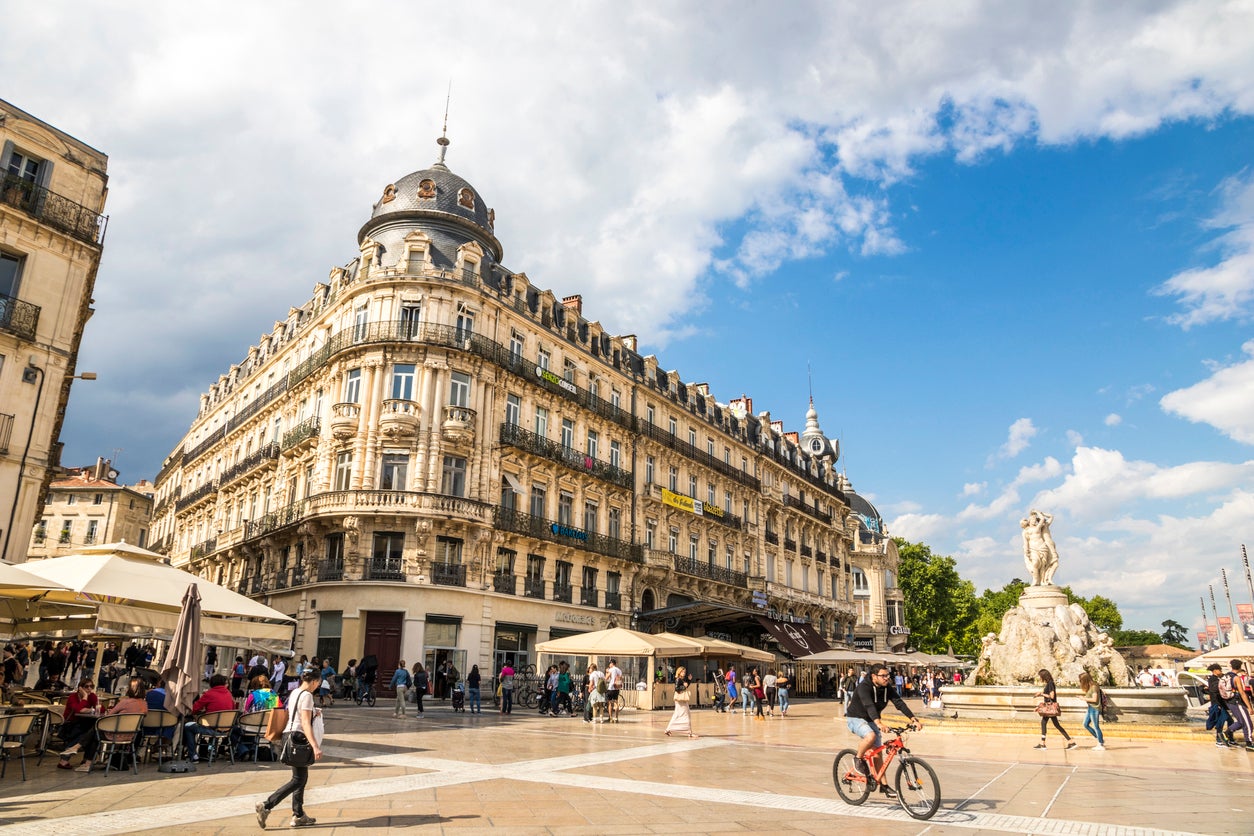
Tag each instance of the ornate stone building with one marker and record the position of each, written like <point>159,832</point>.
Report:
<point>89,506</point>
<point>52,191</point>
<point>434,458</point>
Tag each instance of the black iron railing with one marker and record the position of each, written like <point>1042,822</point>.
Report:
<point>205,547</point>
<point>385,569</point>
<point>285,516</point>
<point>613,600</point>
<point>516,436</point>
<point>807,508</point>
<point>507,519</point>
<point>331,570</point>
<point>699,569</point>
<point>309,428</point>
<point>588,597</point>
<point>505,583</point>
<point>190,499</point>
<point>448,574</point>
<point>54,210</point>
<point>563,592</point>
<point>772,537</point>
<point>672,442</point>
<point>267,453</point>
<point>18,317</point>
<point>533,587</point>
<point>790,544</point>
<point>806,551</point>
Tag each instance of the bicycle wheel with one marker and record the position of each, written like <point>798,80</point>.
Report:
<point>370,698</point>
<point>357,698</point>
<point>851,784</point>
<point>918,789</point>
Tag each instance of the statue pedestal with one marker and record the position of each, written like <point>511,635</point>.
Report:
<point>1043,598</point>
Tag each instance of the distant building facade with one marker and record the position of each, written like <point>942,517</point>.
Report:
<point>52,191</point>
<point>88,507</point>
<point>434,459</point>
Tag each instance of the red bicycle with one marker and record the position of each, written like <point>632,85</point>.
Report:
<point>918,789</point>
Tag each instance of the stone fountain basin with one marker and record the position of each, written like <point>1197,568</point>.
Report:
<point>1017,702</point>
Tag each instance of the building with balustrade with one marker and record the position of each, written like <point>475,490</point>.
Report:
<point>52,193</point>
<point>433,458</point>
<point>89,506</point>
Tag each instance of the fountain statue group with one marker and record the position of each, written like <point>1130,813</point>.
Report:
<point>1045,630</point>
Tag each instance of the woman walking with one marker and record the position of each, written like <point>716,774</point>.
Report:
<point>781,691</point>
<point>759,696</point>
<point>1093,719</point>
<point>1049,709</point>
<point>769,684</point>
<point>421,681</point>
<point>473,680</point>
<point>304,718</point>
<point>681,719</point>
<point>401,682</point>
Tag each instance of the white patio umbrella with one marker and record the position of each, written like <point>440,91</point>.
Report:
<point>130,591</point>
<point>617,641</point>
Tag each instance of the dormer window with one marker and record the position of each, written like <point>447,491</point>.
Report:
<point>466,198</point>
<point>426,189</point>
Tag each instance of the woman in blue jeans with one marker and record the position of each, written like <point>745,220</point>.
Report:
<point>473,679</point>
<point>782,684</point>
<point>1093,719</point>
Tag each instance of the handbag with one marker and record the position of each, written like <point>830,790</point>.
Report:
<point>296,749</point>
<point>276,724</point>
<point>1047,709</point>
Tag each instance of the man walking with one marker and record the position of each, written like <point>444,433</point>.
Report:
<point>613,684</point>
<point>1238,704</point>
<point>1217,716</point>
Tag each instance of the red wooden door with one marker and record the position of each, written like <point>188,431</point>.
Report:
<point>383,639</point>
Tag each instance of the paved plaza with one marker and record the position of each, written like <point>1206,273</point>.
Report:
<point>529,774</point>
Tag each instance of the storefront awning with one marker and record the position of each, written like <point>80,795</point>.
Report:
<point>796,638</point>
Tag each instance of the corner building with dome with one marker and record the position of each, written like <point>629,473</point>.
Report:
<point>433,459</point>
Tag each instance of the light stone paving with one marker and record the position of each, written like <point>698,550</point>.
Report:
<point>528,774</point>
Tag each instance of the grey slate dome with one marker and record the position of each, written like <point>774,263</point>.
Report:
<point>869,519</point>
<point>435,189</point>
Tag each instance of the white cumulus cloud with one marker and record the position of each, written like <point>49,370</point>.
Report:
<point>1225,400</point>
<point>1114,419</point>
<point>1017,440</point>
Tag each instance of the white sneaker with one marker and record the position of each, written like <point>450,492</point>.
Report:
<point>1099,748</point>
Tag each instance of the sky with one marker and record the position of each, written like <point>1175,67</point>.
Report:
<point>1008,248</point>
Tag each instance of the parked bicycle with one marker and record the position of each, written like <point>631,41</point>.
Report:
<point>918,789</point>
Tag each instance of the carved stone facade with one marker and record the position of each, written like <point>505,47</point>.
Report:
<point>433,458</point>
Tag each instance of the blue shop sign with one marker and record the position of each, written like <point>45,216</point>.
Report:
<point>567,531</point>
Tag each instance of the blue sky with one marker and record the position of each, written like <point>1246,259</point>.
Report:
<point>1016,249</point>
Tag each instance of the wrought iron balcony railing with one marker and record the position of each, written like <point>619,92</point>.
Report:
<point>507,519</point>
<point>205,547</point>
<point>505,583</point>
<point>516,436</point>
<point>267,453</point>
<point>772,537</point>
<point>18,317</point>
<point>563,593</point>
<point>54,210</point>
<point>790,544</point>
<point>385,569</point>
<point>806,508</point>
<point>331,570</point>
<point>699,569</point>
<point>682,447</point>
<point>533,587</point>
<point>309,428</point>
<point>448,574</point>
<point>588,597</point>
<point>613,600</point>
<point>189,499</point>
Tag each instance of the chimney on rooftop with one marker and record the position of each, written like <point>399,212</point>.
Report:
<point>574,303</point>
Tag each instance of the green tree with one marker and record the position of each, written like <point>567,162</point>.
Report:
<point>1134,638</point>
<point>940,606</point>
<point>1174,633</point>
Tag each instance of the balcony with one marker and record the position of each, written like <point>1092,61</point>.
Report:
<point>707,511</point>
<point>803,507</point>
<point>563,592</point>
<point>459,425</point>
<point>385,569</point>
<point>699,569</point>
<point>6,431</point>
<point>505,583</point>
<point>507,519</point>
<point>344,420</point>
<point>613,600</point>
<point>301,436</point>
<point>399,418</point>
<point>533,587</point>
<point>820,556</point>
<point>331,570</point>
<point>806,551</point>
<point>265,455</point>
<point>589,597</point>
<point>658,559</point>
<point>54,210</point>
<point>772,537</point>
<point>209,489</point>
<point>448,574</point>
<point>204,548</point>
<point>518,438</point>
<point>18,317</point>
<point>790,544</point>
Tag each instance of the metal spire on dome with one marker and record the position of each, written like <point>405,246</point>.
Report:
<point>443,141</point>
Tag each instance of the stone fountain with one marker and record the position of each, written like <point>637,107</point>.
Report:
<point>1046,632</point>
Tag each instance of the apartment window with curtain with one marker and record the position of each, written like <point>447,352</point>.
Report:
<point>568,433</point>
<point>542,422</point>
<point>453,482</point>
<point>648,470</point>
<point>393,470</point>
<point>538,497</point>
<point>565,509</point>
<point>590,513</point>
<point>343,474</point>
<point>352,386</point>
<point>594,441</point>
<point>616,454</point>
<point>616,523</point>
<point>513,409</point>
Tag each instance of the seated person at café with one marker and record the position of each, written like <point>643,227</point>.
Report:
<point>13,672</point>
<point>133,703</point>
<point>260,695</point>
<point>156,702</point>
<point>217,698</point>
<point>79,720</point>
<point>51,682</point>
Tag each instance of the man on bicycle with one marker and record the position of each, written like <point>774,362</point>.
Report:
<point>863,714</point>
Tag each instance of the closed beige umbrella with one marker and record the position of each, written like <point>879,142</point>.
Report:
<point>181,668</point>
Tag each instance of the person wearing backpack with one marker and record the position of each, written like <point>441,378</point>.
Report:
<point>1238,704</point>
<point>401,682</point>
<point>1217,716</point>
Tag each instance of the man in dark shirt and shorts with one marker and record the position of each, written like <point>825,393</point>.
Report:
<point>863,714</point>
